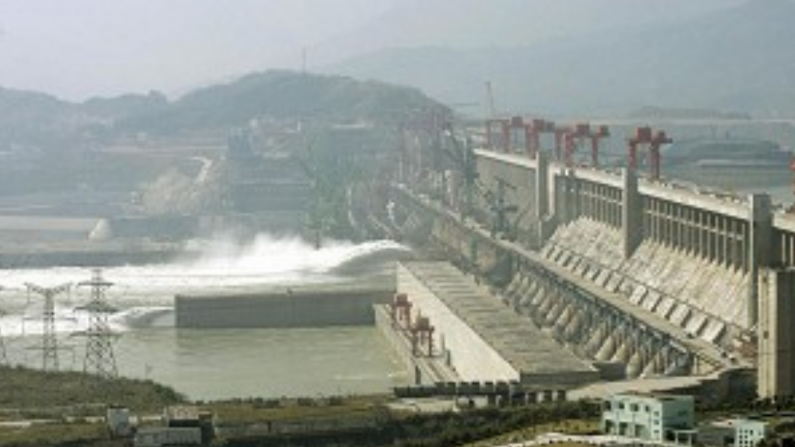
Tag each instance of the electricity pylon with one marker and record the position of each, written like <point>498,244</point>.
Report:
<point>99,359</point>
<point>3,353</point>
<point>49,340</point>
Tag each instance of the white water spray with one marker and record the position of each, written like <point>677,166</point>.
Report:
<point>144,294</point>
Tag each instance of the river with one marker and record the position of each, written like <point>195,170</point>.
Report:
<point>202,363</point>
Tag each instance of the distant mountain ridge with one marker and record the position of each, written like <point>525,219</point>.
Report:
<point>736,59</point>
<point>283,94</point>
<point>41,120</point>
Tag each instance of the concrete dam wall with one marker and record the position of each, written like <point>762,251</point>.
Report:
<point>690,255</point>
<point>658,276</point>
<point>286,306</point>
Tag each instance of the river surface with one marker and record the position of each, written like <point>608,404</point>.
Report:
<point>210,364</point>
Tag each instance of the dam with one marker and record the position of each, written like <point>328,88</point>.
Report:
<point>620,267</point>
<point>553,274</point>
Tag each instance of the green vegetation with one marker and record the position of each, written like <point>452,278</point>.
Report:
<point>36,394</point>
<point>363,419</point>
<point>65,406</point>
<point>280,95</point>
<point>54,434</point>
<point>45,122</point>
<point>451,429</point>
<point>248,411</point>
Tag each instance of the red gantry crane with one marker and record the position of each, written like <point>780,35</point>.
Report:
<point>567,139</point>
<point>645,136</point>
<point>533,131</point>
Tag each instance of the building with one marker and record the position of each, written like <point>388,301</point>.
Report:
<point>189,417</point>
<point>118,421</point>
<point>732,433</point>
<point>184,426</point>
<point>649,417</point>
<point>776,349</point>
<point>168,436</point>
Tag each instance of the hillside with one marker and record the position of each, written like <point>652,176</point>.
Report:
<point>734,59</point>
<point>43,121</point>
<point>282,95</point>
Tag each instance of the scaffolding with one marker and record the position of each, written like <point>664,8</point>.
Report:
<point>99,356</point>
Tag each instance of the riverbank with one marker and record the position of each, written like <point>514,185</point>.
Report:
<point>376,420</point>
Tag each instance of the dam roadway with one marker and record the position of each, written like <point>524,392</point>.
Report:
<point>664,278</point>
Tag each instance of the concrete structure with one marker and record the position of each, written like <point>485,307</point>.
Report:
<point>732,433</point>
<point>656,418</point>
<point>479,337</point>
<point>333,304</point>
<point>776,351</point>
<point>659,276</point>
<point>118,421</point>
<point>167,436</point>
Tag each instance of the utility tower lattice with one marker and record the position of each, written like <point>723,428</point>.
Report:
<point>49,340</point>
<point>3,354</point>
<point>99,358</point>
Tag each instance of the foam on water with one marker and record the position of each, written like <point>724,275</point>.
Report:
<point>144,294</point>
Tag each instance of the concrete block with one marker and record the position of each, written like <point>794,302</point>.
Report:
<point>714,330</point>
<point>581,267</point>
<point>697,323</point>
<point>665,307</point>
<point>593,273</point>
<point>614,282</point>
<point>603,277</point>
<point>680,314</point>
<point>638,294</point>
<point>651,301</point>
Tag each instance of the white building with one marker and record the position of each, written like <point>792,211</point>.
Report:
<point>649,417</point>
<point>733,433</point>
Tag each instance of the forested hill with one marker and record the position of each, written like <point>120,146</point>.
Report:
<point>43,121</point>
<point>282,94</point>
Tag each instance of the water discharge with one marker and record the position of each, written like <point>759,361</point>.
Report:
<point>296,361</point>
<point>144,294</point>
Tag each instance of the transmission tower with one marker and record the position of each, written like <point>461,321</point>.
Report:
<point>99,359</point>
<point>3,353</point>
<point>49,341</point>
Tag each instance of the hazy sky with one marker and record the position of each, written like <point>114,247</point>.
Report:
<point>81,48</point>
<point>77,48</point>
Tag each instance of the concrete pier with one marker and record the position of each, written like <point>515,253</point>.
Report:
<point>285,306</point>
<point>482,339</point>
